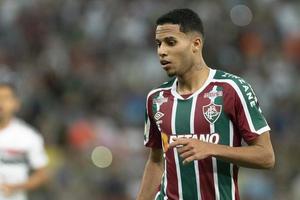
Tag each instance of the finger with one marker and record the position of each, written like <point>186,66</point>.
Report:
<point>176,142</point>
<point>184,149</point>
<point>189,159</point>
<point>179,141</point>
<point>186,154</point>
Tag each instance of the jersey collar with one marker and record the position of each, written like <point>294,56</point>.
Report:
<point>208,80</point>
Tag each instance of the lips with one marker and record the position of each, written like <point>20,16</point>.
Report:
<point>164,62</point>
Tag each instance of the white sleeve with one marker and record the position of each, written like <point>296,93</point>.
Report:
<point>37,155</point>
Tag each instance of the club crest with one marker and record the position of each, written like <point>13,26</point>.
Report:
<point>212,112</point>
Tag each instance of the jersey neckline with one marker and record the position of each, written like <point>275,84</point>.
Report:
<point>174,92</point>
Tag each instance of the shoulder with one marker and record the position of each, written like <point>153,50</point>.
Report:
<point>228,77</point>
<point>239,86</point>
<point>163,87</point>
<point>236,82</point>
<point>26,131</point>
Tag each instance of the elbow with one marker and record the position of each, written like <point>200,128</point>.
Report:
<point>269,161</point>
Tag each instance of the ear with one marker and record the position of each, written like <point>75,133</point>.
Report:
<point>17,104</point>
<point>197,44</point>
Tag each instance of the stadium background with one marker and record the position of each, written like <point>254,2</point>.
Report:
<point>84,67</point>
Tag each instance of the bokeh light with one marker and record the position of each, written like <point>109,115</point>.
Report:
<point>102,157</point>
<point>83,79</point>
<point>241,15</point>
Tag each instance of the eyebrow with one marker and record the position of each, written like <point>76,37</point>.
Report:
<point>166,38</point>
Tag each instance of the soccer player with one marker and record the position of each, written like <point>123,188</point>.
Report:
<point>21,150</point>
<point>195,123</point>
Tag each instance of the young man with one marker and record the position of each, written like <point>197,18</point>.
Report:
<point>195,123</point>
<point>21,149</point>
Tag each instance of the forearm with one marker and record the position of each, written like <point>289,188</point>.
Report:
<point>151,180</point>
<point>38,178</point>
<point>246,156</point>
<point>259,153</point>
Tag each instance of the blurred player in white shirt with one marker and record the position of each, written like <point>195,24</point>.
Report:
<point>21,150</point>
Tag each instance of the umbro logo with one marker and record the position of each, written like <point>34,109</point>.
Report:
<point>158,115</point>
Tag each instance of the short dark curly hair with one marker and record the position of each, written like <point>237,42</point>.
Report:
<point>9,85</point>
<point>187,19</point>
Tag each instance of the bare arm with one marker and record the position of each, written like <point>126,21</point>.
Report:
<point>259,153</point>
<point>152,175</point>
<point>38,177</point>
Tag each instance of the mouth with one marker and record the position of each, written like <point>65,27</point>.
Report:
<point>164,63</point>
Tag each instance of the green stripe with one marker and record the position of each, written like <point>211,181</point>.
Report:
<point>162,186</point>
<point>223,168</point>
<point>182,126</point>
<point>168,84</point>
<point>162,193</point>
<point>257,117</point>
<point>159,197</point>
<point>154,105</point>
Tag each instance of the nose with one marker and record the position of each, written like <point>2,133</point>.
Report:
<point>162,51</point>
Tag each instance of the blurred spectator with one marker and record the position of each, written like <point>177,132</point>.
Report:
<point>85,67</point>
<point>21,148</point>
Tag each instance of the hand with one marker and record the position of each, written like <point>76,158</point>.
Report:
<point>8,189</point>
<point>192,149</point>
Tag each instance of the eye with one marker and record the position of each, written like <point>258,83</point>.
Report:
<point>171,42</point>
<point>158,43</point>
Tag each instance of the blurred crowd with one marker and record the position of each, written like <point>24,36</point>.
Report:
<point>83,69</point>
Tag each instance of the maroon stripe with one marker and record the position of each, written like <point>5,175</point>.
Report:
<point>205,166</point>
<point>235,178</point>
<point>236,143</point>
<point>228,106</point>
<point>172,184</point>
<point>172,180</point>
<point>166,108</point>
<point>236,138</point>
<point>207,179</point>
<point>154,134</point>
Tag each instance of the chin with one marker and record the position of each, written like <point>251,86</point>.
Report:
<point>171,74</point>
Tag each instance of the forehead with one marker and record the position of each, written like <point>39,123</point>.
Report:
<point>168,30</point>
<point>6,90</point>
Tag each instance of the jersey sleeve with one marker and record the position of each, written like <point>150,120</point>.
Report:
<point>37,155</point>
<point>152,136</point>
<point>248,115</point>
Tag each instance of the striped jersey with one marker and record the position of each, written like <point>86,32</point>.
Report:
<point>223,111</point>
<point>21,150</point>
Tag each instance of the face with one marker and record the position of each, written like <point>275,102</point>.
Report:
<point>9,103</point>
<point>176,50</point>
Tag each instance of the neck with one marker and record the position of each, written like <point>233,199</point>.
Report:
<point>4,122</point>
<point>193,79</point>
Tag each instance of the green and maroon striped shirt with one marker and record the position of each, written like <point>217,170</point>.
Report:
<point>223,111</point>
